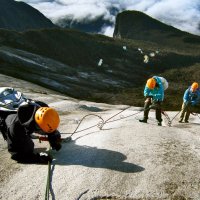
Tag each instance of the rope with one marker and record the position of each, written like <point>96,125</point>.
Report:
<point>100,126</point>
<point>175,116</point>
<point>167,117</point>
<point>102,122</point>
<point>48,180</point>
<point>117,114</point>
<point>123,117</point>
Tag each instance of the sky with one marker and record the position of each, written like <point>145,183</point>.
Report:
<point>182,14</point>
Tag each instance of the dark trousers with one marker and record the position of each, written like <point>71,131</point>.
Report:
<point>187,109</point>
<point>156,106</point>
<point>20,144</point>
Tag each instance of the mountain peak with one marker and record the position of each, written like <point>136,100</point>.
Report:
<point>137,25</point>
<point>20,16</point>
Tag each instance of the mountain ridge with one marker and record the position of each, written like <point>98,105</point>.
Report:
<point>139,26</point>
<point>19,16</point>
<point>67,61</point>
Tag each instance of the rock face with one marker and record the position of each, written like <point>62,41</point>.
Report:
<point>124,159</point>
<point>20,16</point>
<point>137,25</point>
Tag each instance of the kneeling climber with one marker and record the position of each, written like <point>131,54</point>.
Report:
<point>18,126</point>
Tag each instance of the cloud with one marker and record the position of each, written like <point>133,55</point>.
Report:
<point>182,14</point>
<point>108,31</point>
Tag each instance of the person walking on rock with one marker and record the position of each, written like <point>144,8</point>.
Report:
<point>191,102</point>
<point>154,93</point>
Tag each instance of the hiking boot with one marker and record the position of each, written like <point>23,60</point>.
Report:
<point>32,158</point>
<point>186,121</point>
<point>159,123</point>
<point>180,121</point>
<point>143,120</point>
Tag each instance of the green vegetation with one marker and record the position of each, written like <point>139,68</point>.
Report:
<point>122,76</point>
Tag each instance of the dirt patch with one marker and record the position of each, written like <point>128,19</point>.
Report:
<point>8,167</point>
<point>170,188</point>
<point>178,197</point>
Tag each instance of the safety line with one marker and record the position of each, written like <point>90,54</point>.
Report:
<point>100,125</point>
<point>118,113</point>
<point>88,127</point>
<point>48,179</point>
<point>102,122</point>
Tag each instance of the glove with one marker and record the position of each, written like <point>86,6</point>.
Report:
<point>44,158</point>
<point>148,100</point>
<point>193,103</point>
<point>155,104</point>
<point>55,140</point>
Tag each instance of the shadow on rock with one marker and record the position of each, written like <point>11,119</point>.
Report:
<point>73,154</point>
<point>186,125</point>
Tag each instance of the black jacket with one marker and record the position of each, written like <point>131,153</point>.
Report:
<point>19,128</point>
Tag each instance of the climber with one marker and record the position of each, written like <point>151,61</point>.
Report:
<point>17,128</point>
<point>154,93</point>
<point>191,102</point>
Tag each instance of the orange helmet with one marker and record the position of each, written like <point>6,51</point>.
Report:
<point>151,83</point>
<point>194,86</point>
<point>47,119</point>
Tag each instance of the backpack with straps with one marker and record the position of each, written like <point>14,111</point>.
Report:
<point>10,100</point>
<point>164,82</point>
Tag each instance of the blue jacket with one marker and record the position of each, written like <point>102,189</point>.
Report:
<point>192,97</point>
<point>157,93</point>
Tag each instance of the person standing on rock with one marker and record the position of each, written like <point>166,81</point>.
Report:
<point>17,128</point>
<point>154,93</point>
<point>191,102</point>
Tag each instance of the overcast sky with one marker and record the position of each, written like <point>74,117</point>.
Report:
<point>182,14</point>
